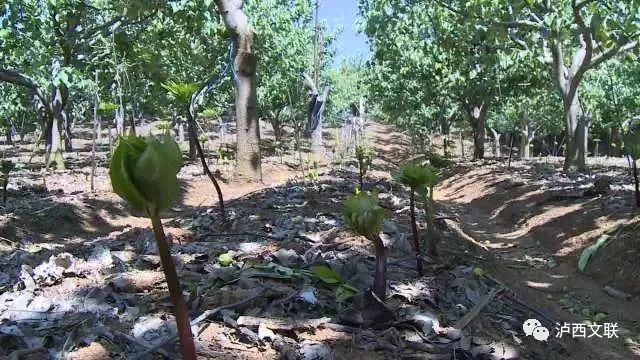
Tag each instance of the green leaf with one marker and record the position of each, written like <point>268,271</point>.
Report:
<point>589,252</point>
<point>326,274</point>
<point>225,259</point>
<point>144,172</point>
<point>345,292</point>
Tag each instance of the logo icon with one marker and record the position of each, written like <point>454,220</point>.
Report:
<point>541,333</point>
<point>533,327</point>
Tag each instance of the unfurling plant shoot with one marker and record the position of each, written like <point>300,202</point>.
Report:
<point>364,216</point>
<point>6,167</point>
<point>426,192</point>
<point>364,163</point>
<point>144,173</point>
<point>416,177</point>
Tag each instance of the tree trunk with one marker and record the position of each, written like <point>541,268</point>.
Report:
<point>496,143</point>
<point>636,181</point>
<point>181,135</point>
<point>132,124</point>
<point>9,134</point>
<point>577,128</point>
<point>525,143</point>
<point>193,139</point>
<point>52,109</point>
<point>53,143</point>
<point>478,117</point>
<point>248,158</point>
<point>66,122</point>
<point>414,230</point>
<point>99,129</point>
<point>432,232</point>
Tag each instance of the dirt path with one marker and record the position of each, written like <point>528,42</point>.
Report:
<point>530,241</point>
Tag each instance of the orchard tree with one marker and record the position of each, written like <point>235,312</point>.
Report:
<point>580,35</point>
<point>245,61</point>
<point>425,55</point>
<point>612,96</point>
<point>285,50</point>
<point>48,45</point>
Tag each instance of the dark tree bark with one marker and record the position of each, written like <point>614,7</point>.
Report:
<point>193,138</point>
<point>478,117</point>
<point>248,158</point>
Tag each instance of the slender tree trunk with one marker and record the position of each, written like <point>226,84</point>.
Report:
<point>478,117</point>
<point>248,158</point>
<point>66,122</point>
<point>93,137</point>
<point>9,134</point>
<point>510,150</point>
<point>99,129</point>
<point>432,232</point>
<point>496,143</point>
<point>636,180</point>
<point>462,144</point>
<point>414,230</point>
<point>132,124</point>
<point>193,138</point>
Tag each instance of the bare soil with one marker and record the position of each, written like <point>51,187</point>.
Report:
<point>520,230</point>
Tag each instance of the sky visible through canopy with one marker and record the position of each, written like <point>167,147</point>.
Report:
<point>343,14</point>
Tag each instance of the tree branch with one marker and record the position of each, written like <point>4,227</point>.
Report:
<point>16,78</point>
<point>604,56</point>
<point>558,62</point>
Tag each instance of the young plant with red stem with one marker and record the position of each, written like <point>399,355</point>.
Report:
<point>426,192</point>
<point>416,177</point>
<point>144,173</point>
<point>364,216</point>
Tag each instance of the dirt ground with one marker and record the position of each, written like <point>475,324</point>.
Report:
<point>80,279</point>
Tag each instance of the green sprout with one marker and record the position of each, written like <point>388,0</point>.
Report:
<point>144,173</point>
<point>364,216</point>
<point>364,156</point>
<point>426,193</point>
<point>6,166</point>
<point>416,177</point>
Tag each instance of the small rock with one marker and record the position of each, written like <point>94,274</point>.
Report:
<point>312,350</point>
<point>288,257</point>
<point>265,333</point>
<point>152,329</point>
<point>308,296</point>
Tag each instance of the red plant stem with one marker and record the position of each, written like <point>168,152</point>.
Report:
<point>431,227</point>
<point>380,276</point>
<point>205,167</point>
<point>414,230</point>
<point>187,345</point>
<point>635,177</point>
<point>5,183</point>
